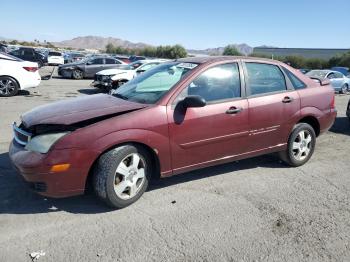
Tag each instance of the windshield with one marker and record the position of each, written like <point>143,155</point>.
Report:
<point>55,54</point>
<point>150,86</point>
<point>317,73</point>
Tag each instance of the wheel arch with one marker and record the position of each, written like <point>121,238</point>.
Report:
<point>152,153</point>
<point>19,85</point>
<point>313,122</point>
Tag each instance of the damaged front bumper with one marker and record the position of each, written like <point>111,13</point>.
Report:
<point>37,169</point>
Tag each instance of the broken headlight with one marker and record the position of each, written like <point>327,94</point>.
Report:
<point>43,143</point>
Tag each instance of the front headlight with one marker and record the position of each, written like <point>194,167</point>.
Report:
<point>43,143</point>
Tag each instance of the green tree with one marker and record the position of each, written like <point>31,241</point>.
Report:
<point>295,61</point>
<point>316,63</point>
<point>231,50</point>
<point>110,49</point>
<point>259,55</point>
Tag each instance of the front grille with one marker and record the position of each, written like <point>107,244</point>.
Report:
<point>21,136</point>
<point>101,78</point>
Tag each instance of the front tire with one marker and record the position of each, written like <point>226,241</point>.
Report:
<point>121,175</point>
<point>8,86</point>
<point>301,145</point>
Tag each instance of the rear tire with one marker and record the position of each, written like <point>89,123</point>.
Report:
<point>8,86</point>
<point>77,74</point>
<point>301,145</point>
<point>40,64</point>
<point>121,175</point>
<point>344,89</point>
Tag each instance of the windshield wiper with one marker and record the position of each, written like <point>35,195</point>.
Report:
<point>120,96</point>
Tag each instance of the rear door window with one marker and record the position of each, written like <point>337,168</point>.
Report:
<point>111,61</point>
<point>97,61</point>
<point>264,78</point>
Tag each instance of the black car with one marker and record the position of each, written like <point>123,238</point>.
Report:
<point>3,48</point>
<point>87,67</point>
<point>29,54</point>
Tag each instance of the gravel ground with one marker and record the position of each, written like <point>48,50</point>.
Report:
<point>251,210</point>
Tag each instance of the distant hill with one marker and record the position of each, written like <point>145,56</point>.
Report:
<point>97,42</point>
<point>242,48</point>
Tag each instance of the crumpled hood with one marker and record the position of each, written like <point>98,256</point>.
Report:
<point>75,110</point>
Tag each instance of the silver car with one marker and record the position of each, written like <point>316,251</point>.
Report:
<point>339,82</point>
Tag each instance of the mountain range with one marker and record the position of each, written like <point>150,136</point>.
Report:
<point>99,43</point>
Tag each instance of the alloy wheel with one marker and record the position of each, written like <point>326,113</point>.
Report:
<point>302,145</point>
<point>129,176</point>
<point>77,74</point>
<point>7,87</point>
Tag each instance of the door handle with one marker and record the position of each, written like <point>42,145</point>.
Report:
<point>287,99</point>
<point>233,110</point>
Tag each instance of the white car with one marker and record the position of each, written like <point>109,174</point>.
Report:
<point>16,74</point>
<point>113,78</point>
<point>55,58</point>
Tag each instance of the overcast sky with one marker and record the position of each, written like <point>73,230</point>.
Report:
<point>194,24</point>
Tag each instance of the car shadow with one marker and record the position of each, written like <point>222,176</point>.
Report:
<point>16,198</point>
<point>341,126</point>
<point>23,93</point>
<point>91,91</point>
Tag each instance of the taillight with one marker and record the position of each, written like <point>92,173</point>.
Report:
<point>30,69</point>
<point>333,102</point>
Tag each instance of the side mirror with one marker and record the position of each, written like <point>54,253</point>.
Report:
<point>193,101</point>
<point>89,63</point>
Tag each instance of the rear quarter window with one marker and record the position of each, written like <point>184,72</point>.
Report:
<point>296,82</point>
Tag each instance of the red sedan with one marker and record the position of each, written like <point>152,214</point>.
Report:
<point>180,116</point>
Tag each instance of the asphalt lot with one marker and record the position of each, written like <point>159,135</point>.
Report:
<point>251,210</point>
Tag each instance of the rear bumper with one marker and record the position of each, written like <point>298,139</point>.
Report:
<point>35,169</point>
<point>30,82</point>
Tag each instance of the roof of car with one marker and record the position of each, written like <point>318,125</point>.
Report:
<point>205,59</point>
